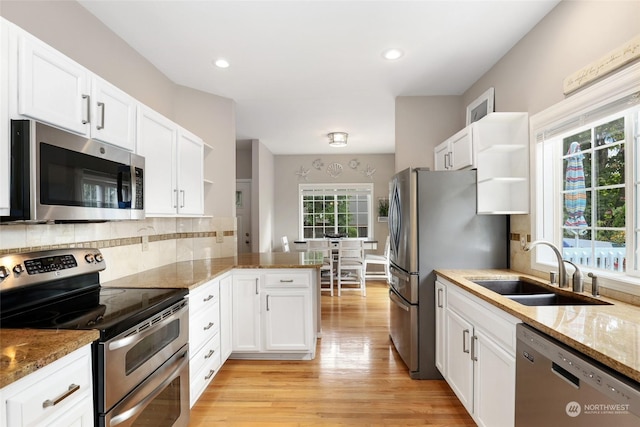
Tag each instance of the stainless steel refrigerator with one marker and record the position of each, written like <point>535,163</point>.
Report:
<point>433,224</point>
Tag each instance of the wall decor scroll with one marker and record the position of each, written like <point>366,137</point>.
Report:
<point>605,65</point>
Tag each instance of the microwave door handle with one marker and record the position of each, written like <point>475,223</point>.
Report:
<point>122,171</point>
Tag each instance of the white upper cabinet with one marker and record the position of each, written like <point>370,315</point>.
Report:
<point>173,166</point>
<point>157,137</point>
<point>4,118</point>
<point>456,152</point>
<point>51,87</point>
<point>190,158</point>
<point>498,147</point>
<point>113,115</point>
<point>501,142</point>
<point>54,89</point>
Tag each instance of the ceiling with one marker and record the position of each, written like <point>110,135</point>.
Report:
<point>300,69</point>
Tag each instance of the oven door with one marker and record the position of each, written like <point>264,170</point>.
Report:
<point>403,329</point>
<point>128,359</point>
<point>160,401</point>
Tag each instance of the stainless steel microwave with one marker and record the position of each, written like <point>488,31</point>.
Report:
<point>62,177</point>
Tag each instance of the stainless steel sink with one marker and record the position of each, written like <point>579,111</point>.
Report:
<point>513,287</point>
<point>555,299</point>
<point>533,294</point>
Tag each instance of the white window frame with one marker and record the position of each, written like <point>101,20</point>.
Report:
<point>571,113</point>
<point>366,188</point>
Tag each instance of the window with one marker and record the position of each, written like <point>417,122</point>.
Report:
<point>587,183</point>
<point>331,209</point>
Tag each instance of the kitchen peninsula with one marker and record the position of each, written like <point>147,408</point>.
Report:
<point>17,363</point>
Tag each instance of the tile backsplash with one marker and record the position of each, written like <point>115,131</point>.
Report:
<point>129,246</point>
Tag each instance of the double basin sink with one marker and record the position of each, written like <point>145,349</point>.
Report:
<point>533,294</point>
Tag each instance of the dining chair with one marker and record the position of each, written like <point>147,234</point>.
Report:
<point>375,259</point>
<point>350,269</point>
<point>326,271</point>
<point>285,244</point>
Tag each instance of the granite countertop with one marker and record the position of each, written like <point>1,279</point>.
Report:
<point>609,334</point>
<point>191,274</point>
<point>26,350</point>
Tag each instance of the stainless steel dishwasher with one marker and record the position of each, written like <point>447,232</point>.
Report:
<point>558,386</point>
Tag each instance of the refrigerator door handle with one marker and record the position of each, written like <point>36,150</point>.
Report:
<point>398,301</point>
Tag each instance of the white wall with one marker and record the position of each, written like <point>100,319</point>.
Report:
<point>286,207</point>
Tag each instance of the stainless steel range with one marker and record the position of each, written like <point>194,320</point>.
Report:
<point>140,362</point>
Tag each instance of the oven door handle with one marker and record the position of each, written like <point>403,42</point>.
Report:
<point>130,339</point>
<point>177,366</point>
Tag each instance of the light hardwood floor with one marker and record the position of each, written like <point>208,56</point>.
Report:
<point>357,378</point>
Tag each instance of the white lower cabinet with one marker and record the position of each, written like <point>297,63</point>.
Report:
<point>273,314</point>
<point>59,394</point>
<point>226,319</point>
<point>441,329</point>
<point>204,337</point>
<point>478,341</point>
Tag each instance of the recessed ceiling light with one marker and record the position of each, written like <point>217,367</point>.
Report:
<point>221,63</point>
<point>392,54</point>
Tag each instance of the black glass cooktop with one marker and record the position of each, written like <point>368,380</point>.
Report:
<point>109,310</point>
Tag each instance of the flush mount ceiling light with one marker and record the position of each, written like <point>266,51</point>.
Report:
<point>392,54</point>
<point>221,63</point>
<point>338,139</point>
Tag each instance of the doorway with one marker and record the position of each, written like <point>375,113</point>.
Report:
<point>243,214</point>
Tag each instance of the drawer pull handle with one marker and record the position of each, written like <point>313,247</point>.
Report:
<point>211,372</point>
<point>72,389</point>
<point>209,298</point>
<point>206,328</point>
<point>465,338</point>
<point>209,354</point>
<point>286,281</point>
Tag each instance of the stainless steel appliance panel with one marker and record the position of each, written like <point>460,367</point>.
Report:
<point>403,325</point>
<point>403,233</point>
<point>558,386</point>
<point>136,353</point>
<point>160,401</point>
<point>60,176</point>
<point>433,224</point>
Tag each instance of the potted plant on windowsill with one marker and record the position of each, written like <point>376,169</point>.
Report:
<point>383,210</point>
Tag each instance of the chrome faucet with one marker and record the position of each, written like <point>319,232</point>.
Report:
<point>561,269</point>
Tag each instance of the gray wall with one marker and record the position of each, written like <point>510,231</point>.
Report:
<point>422,122</point>
<point>71,29</point>
<point>286,204</point>
<point>530,76</point>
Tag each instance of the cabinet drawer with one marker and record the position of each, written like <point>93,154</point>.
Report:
<point>203,326</point>
<point>205,296</point>
<point>209,351</point>
<point>501,328</point>
<point>200,379</point>
<point>287,280</point>
<point>50,392</point>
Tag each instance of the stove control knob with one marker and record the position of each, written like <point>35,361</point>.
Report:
<point>4,272</point>
<point>89,258</point>
<point>18,269</point>
<point>99,258</point>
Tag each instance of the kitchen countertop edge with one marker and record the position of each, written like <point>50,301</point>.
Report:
<point>535,317</point>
